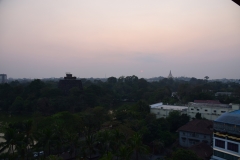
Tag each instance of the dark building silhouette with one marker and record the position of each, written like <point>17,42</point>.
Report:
<point>69,82</point>
<point>3,78</point>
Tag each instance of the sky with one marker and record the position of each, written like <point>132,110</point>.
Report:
<point>103,38</point>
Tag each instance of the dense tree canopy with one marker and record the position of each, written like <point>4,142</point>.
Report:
<point>107,119</point>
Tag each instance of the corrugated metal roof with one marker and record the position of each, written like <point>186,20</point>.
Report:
<point>230,118</point>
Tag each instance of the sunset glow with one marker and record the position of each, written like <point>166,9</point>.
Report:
<point>93,38</point>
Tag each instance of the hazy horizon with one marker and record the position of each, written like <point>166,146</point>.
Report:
<point>43,39</point>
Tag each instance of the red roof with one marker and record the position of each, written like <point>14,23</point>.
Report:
<point>207,101</point>
<point>198,126</point>
<point>203,150</point>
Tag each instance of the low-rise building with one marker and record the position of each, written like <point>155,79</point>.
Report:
<point>162,111</point>
<point>210,111</point>
<point>195,132</point>
<point>226,136</point>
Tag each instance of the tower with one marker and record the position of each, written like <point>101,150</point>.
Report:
<point>3,78</point>
<point>170,75</point>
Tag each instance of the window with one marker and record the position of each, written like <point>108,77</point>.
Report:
<point>183,133</point>
<point>223,111</point>
<point>192,109</point>
<point>197,109</point>
<point>214,111</point>
<point>219,143</point>
<point>232,147</point>
<point>224,155</point>
<point>205,141</point>
<point>158,113</point>
<point>184,139</point>
<point>206,110</point>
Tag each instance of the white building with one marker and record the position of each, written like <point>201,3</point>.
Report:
<point>163,110</point>
<point>226,137</point>
<point>210,111</point>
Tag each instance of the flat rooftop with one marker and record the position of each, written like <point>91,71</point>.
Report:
<point>168,107</point>
<point>192,104</point>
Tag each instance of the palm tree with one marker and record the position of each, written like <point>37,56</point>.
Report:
<point>11,138</point>
<point>89,145</point>
<point>117,139</point>
<point>136,145</point>
<point>46,139</point>
<point>124,153</point>
<point>157,144</point>
<point>107,156</point>
<point>28,135</point>
<point>73,142</point>
<point>61,137</point>
<point>104,140</point>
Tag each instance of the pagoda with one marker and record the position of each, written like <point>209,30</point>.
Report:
<point>170,75</point>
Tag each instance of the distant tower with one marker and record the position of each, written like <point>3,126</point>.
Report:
<point>69,82</point>
<point>3,78</point>
<point>170,75</point>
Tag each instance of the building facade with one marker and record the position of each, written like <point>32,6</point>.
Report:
<point>162,111</point>
<point>210,111</point>
<point>3,78</point>
<point>69,82</point>
<point>226,137</point>
<point>195,132</point>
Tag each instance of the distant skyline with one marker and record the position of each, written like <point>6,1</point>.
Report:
<point>43,39</point>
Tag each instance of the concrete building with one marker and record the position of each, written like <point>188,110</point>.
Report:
<point>69,82</point>
<point>209,109</point>
<point>3,78</point>
<point>195,132</point>
<point>162,111</point>
<point>226,136</point>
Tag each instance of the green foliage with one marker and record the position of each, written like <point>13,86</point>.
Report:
<point>54,157</point>
<point>109,118</point>
<point>176,120</point>
<point>182,154</point>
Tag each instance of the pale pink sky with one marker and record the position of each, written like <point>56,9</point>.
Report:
<point>146,38</point>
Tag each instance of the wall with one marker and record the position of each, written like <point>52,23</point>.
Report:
<point>192,138</point>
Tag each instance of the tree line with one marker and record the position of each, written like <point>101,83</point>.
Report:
<point>109,119</point>
<point>47,98</point>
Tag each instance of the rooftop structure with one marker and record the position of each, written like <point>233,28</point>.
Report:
<point>202,126</point>
<point>210,111</point>
<point>207,101</point>
<point>69,82</point>
<point>226,136</point>
<point>232,118</point>
<point>163,110</point>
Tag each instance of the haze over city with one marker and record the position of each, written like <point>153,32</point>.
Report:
<point>40,39</point>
